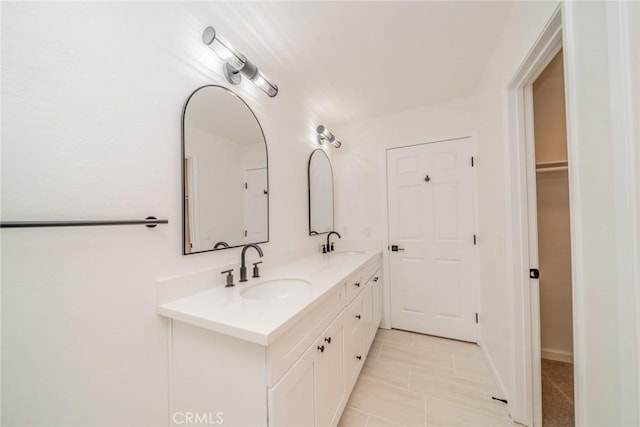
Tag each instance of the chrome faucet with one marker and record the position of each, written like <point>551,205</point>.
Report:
<point>243,267</point>
<point>330,245</point>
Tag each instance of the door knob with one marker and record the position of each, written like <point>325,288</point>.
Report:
<point>427,178</point>
<point>395,248</point>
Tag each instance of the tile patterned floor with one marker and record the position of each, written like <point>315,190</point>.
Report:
<point>419,380</point>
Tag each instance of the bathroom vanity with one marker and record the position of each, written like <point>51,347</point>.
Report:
<point>282,350</point>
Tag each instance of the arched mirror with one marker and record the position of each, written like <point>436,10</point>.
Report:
<point>320,193</point>
<point>225,173</point>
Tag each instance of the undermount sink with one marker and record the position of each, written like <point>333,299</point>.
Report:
<point>277,289</point>
<point>347,253</point>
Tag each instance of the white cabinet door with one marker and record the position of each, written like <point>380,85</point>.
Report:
<point>367,315</point>
<point>353,341</point>
<point>431,223</point>
<point>329,376</point>
<point>311,393</point>
<point>291,399</point>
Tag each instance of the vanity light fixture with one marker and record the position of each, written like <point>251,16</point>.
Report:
<point>236,64</point>
<point>325,135</point>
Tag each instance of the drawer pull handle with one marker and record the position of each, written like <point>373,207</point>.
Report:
<point>357,284</point>
<point>358,316</point>
<point>327,340</point>
<point>321,348</point>
<point>359,357</point>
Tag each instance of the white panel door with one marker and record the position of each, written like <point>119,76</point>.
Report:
<point>431,222</point>
<point>256,212</point>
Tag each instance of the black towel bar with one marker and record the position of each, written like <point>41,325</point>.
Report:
<point>150,222</point>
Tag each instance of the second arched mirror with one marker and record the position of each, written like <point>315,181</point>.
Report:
<point>320,193</point>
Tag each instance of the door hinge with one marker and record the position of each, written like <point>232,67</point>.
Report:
<point>245,186</point>
<point>475,240</point>
<point>534,273</point>
<point>472,161</point>
<point>476,317</point>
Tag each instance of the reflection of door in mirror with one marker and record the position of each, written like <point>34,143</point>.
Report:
<point>225,164</point>
<point>320,193</point>
<point>256,205</point>
<point>187,205</point>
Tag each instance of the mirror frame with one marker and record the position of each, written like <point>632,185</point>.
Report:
<point>182,180</point>
<point>333,197</point>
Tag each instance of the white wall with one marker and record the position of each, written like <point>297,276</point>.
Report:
<point>601,73</point>
<point>360,164</point>
<point>92,95</point>
<point>554,251</point>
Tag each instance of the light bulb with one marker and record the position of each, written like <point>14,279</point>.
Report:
<point>223,48</point>
<point>261,81</point>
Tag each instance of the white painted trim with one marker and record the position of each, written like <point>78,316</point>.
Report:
<point>526,406</point>
<point>557,355</point>
<point>575,197</point>
<point>534,262</point>
<point>625,157</point>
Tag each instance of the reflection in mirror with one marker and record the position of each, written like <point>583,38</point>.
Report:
<point>225,173</point>
<point>320,193</point>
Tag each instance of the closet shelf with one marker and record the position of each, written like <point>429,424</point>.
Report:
<point>552,166</point>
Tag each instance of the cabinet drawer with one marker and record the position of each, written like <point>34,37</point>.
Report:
<point>370,268</point>
<point>355,284</point>
<point>283,353</point>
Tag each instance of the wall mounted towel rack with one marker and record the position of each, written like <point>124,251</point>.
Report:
<point>150,221</point>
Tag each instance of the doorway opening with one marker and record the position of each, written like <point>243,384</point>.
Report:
<point>554,245</point>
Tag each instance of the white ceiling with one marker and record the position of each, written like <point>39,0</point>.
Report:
<point>357,60</point>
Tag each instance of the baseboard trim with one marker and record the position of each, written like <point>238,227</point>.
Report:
<point>557,355</point>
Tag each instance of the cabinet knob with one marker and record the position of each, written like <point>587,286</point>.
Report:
<point>359,357</point>
<point>358,316</point>
<point>357,284</point>
<point>321,348</point>
<point>327,340</point>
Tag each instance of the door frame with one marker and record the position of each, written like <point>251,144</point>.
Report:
<point>386,308</point>
<point>522,223</point>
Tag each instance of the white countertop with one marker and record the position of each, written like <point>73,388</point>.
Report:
<point>226,311</point>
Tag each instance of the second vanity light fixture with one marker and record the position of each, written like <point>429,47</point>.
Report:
<point>325,135</point>
<point>236,64</point>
